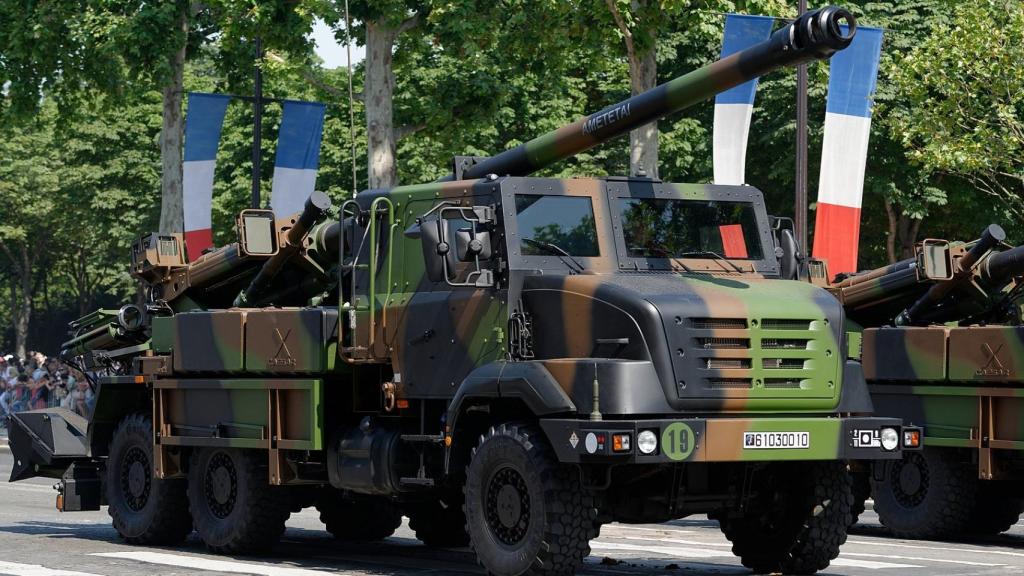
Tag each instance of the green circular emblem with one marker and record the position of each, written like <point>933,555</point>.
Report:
<point>677,441</point>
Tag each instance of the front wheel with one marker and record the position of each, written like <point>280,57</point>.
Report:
<point>797,521</point>
<point>525,512</point>
<point>144,509</point>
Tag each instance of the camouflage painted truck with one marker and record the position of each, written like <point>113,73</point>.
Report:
<point>943,348</point>
<point>509,361</point>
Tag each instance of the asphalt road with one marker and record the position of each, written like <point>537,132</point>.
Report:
<point>36,540</point>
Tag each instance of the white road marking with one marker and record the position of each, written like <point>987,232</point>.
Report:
<point>887,544</point>
<point>14,569</point>
<point>920,559</point>
<point>631,528</point>
<point>28,488</point>
<point>869,564</point>
<point>228,566</point>
<point>692,553</point>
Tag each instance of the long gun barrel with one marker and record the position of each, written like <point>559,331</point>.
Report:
<point>963,272</point>
<point>814,35</point>
<point>999,268</point>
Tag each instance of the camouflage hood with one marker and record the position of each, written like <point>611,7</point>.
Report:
<point>715,341</point>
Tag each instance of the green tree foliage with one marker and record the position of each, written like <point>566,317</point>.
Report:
<point>963,87</point>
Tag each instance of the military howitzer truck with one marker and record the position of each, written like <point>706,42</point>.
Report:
<point>942,349</point>
<point>509,361</point>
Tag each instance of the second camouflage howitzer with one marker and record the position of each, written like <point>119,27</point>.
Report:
<point>579,350</point>
<point>941,349</point>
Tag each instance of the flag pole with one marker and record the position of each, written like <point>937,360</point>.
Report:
<point>257,124</point>
<point>800,199</point>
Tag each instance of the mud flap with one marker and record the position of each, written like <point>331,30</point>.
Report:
<point>46,442</point>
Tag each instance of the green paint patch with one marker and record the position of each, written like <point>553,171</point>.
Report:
<point>677,441</point>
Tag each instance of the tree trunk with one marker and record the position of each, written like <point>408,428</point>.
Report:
<point>377,97</point>
<point>172,203</point>
<point>23,312</point>
<point>643,142</point>
<point>643,75</point>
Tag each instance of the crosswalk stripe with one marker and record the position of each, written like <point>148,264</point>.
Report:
<point>920,559</point>
<point>228,566</point>
<point>15,569</point>
<point>898,544</point>
<point>694,552</point>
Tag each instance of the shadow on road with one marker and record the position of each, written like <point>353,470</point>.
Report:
<point>395,556</point>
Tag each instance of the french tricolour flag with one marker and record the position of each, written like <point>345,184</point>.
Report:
<point>202,134</point>
<point>844,153</point>
<point>733,107</point>
<point>298,155</point>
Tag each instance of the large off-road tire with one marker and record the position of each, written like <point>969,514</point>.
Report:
<point>927,494</point>
<point>144,510</point>
<point>861,492</point>
<point>801,518</point>
<point>362,519</point>
<point>234,508</point>
<point>440,523</point>
<point>996,509</point>
<point>526,514</point>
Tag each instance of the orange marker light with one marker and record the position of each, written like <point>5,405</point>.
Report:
<point>911,438</point>
<point>402,404</point>
<point>620,442</point>
<point>140,379</point>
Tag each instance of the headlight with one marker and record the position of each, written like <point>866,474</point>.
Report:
<point>647,442</point>
<point>890,439</point>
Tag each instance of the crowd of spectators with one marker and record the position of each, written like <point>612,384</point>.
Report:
<point>40,382</point>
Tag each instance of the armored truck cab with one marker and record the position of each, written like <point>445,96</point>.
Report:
<point>510,361</point>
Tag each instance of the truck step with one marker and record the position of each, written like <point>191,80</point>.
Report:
<point>424,438</point>
<point>416,481</point>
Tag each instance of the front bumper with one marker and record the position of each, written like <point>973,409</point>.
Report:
<point>725,439</point>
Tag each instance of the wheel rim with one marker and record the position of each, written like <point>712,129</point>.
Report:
<point>221,485</point>
<point>909,480</point>
<point>508,506</point>
<point>136,480</point>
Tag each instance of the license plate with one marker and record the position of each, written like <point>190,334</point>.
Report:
<point>776,440</point>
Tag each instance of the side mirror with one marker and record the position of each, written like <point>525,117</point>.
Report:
<point>256,235</point>
<point>789,259</point>
<point>433,233</point>
<point>469,246</point>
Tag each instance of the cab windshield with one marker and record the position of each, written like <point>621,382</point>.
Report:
<point>664,228</point>
<point>552,224</point>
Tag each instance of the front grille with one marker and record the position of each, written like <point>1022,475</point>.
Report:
<point>718,323</point>
<point>765,357</point>
<point>782,363</point>
<point>722,343</point>
<point>728,363</point>
<point>729,383</point>
<point>785,324</point>
<point>784,343</point>
<point>782,383</point>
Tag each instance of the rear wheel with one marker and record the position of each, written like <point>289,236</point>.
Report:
<point>927,494</point>
<point>800,522</point>
<point>526,514</point>
<point>996,509</point>
<point>144,510</point>
<point>235,509</point>
<point>362,519</point>
<point>440,523</point>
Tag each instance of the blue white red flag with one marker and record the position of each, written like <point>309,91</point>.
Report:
<point>298,156</point>
<point>851,87</point>
<point>733,108</point>
<point>203,124</point>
